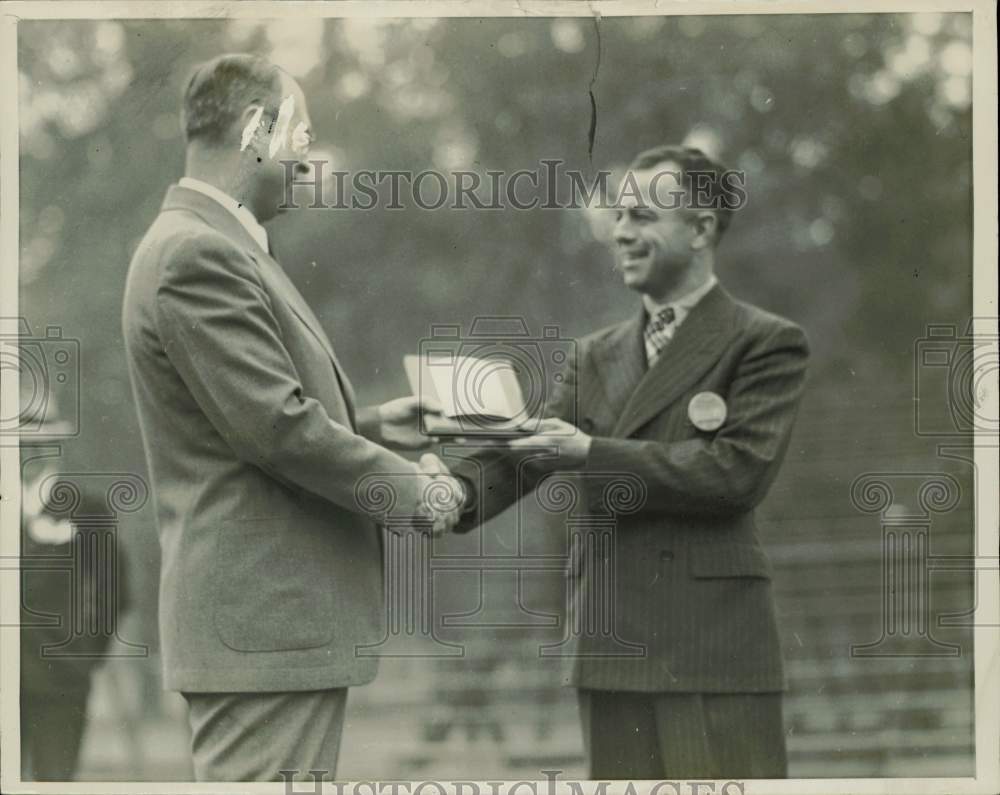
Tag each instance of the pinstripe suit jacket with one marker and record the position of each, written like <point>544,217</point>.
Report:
<point>678,597</point>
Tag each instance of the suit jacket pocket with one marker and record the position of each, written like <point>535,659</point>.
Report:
<point>728,560</point>
<point>272,585</point>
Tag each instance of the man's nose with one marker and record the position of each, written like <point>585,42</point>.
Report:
<point>623,233</point>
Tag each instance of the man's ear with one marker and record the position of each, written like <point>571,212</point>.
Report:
<point>706,225</point>
<point>250,125</point>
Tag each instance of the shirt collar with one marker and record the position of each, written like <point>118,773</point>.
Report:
<point>242,214</point>
<point>684,304</point>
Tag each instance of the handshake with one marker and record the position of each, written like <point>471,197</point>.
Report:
<point>442,496</point>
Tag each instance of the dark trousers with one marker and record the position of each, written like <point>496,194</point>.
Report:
<point>675,736</point>
<point>52,727</point>
<point>254,736</point>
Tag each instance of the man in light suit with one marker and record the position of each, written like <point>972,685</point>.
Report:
<point>271,576</point>
<point>693,397</point>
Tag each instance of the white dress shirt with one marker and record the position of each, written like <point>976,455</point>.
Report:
<point>242,214</point>
<point>682,307</point>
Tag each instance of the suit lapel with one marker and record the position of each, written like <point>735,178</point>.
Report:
<point>620,361</point>
<point>219,218</point>
<point>699,342</point>
<point>310,321</point>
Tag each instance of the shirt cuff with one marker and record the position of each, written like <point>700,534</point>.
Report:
<point>471,500</point>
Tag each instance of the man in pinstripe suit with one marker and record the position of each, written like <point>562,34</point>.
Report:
<point>694,396</point>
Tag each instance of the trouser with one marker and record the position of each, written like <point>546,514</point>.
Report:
<point>676,736</point>
<point>255,736</point>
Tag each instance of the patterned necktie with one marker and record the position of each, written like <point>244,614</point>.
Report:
<point>659,331</point>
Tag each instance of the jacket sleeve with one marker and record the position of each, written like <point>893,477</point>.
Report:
<point>732,471</point>
<point>496,479</point>
<point>219,331</point>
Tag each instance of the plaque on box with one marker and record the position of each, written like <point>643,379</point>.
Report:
<point>478,397</point>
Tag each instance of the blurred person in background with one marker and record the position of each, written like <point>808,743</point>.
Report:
<point>271,576</point>
<point>695,396</point>
<point>69,592</point>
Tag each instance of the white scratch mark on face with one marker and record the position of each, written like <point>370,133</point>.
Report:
<point>280,134</point>
<point>251,128</point>
<point>300,139</point>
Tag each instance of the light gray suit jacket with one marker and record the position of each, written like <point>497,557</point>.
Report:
<point>271,578</point>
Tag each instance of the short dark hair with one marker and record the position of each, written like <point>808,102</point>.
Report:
<point>691,159</point>
<point>219,90</point>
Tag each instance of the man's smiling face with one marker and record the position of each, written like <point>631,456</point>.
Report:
<point>654,230</point>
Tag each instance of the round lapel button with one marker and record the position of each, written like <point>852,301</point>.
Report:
<point>707,411</point>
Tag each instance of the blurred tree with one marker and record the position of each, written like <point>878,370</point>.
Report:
<point>854,131</point>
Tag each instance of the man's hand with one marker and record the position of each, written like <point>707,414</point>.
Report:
<point>572,444</point>
<point>442,495</point>
<point>399,423</point>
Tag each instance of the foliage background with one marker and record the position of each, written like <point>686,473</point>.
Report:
<point>854,131</point>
